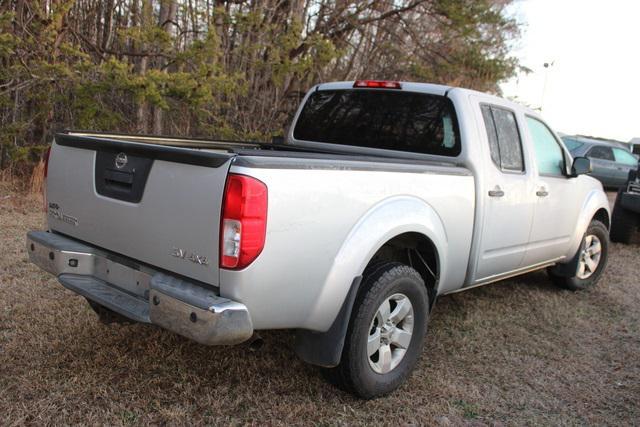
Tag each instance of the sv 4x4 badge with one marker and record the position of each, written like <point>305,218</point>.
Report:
<point>190,256</point>
<point>55,211</point>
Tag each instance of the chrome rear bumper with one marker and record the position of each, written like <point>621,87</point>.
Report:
<point>139,292</point>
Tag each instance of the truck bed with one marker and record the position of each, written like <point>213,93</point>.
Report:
<point>163,206</point>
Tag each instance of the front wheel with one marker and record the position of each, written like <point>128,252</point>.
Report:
<point>592,259</point>
<point>386,332</point>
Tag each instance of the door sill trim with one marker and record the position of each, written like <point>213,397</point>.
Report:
<point>508,275</point>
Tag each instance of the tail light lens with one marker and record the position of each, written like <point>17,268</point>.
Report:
<point>244,221</point>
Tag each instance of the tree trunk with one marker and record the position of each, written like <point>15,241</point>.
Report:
<point>168,11</point>
<point>108,20</point>
<point>142,116</point>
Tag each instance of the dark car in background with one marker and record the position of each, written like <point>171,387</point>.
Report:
<point>611,163</point>
<point>625,219</point>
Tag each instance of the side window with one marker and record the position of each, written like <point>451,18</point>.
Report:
<point>504,139</point>
<point>492,135</point>
<point>549,155</point>
<point>601,152</point>
<point>624,157</point>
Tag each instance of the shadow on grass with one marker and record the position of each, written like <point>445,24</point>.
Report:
<point>484,340</point>
<point>126,355</point>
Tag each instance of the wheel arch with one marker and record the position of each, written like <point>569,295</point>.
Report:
<point>417,251</point>
<point>603,216</point>
<point>595,207</point>
<point>384,232</point>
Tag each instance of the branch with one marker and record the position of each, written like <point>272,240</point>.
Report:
<point>101,51</point>
<point>352,24</point>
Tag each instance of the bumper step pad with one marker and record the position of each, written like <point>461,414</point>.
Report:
<point>104,294</point>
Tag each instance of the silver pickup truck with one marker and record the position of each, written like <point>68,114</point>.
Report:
<point>382,197</point>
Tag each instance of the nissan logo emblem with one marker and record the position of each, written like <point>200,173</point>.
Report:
<point>121,160</point>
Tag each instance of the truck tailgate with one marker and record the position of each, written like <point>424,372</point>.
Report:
<point>156,204</point>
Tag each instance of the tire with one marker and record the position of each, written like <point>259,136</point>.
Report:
<point>389,285</point>
<point>584,279</point>
<point>623,222</point>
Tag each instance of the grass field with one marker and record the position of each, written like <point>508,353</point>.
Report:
<point>517,352</point>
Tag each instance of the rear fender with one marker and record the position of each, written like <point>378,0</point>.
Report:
<point>332,311</point>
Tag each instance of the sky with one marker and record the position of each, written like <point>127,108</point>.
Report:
<point>592,85</point>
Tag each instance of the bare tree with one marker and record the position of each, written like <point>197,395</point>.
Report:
<point>227,68</point>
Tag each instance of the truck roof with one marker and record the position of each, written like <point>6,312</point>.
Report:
<point>409,86</point>
<point>430,88</point>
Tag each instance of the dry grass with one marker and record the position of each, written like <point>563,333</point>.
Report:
<point>518,352</point>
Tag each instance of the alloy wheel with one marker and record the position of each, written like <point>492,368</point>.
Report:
<point>589,257</point>
<point>390,333</point>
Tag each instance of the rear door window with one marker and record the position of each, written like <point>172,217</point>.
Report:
<point>505,144</point>
<point>387,119</point>
<point>601,152</point>
<point>624,157</point>
<point>492,134</point>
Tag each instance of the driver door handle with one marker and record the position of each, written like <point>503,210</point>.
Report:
<point>542,192</point>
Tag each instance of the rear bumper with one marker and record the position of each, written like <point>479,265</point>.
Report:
<point>139,292</point>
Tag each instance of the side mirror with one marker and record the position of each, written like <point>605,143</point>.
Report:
<point>277,140</point>
<point>581,166</point>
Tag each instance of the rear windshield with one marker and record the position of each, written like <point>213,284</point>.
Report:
<point>392,120</point>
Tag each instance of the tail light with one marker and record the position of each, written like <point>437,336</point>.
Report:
<point>244,221</point>
<point>379,84</point>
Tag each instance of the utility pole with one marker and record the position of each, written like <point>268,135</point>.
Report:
<point>547,65</point>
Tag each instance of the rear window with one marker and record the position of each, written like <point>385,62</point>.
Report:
<point>391,120</point>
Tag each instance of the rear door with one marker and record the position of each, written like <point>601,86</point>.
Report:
<point>603,164</point>
<point>625,162</point>
<point>508,203</point>
<point>156,204</point>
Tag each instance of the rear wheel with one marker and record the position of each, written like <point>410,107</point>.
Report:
<point>623,222</point>
<point>592,259</point>
<point>386,331</point>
